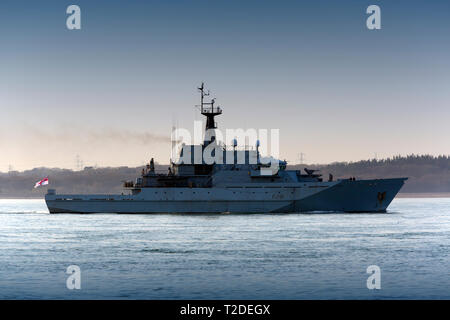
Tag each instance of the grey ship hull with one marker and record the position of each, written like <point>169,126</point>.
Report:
<point>337,196</point>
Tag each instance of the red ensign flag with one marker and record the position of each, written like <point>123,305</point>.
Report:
<point>43,182</point>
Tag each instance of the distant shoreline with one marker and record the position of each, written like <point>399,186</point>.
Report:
<point>423,195</point>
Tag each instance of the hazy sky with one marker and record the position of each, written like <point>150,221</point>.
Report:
<point>111,91</point>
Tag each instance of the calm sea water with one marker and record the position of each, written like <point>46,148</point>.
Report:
<point>275,256</point>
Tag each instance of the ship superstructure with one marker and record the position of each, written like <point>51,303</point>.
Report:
<point>195,185</point>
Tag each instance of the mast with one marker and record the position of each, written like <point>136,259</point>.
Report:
<point>209,111</point>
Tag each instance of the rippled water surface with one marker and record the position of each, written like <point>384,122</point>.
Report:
<point>273,256</point>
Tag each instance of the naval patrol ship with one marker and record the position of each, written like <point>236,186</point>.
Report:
<point>249,185</point>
